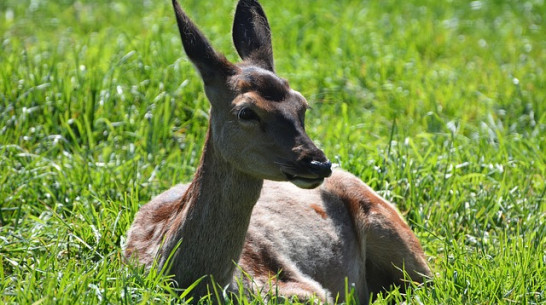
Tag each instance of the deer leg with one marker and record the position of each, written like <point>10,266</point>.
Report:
<point>387,243</point>
<point>284,288</point>
<point>273,275</point>
<point>391,249</point>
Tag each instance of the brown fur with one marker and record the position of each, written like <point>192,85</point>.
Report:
<point>319,211</point>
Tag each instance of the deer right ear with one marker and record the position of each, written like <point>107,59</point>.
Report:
<point>210,64</point>
<point>252,35</point>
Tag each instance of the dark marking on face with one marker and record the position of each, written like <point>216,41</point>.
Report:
<point>265,83</point>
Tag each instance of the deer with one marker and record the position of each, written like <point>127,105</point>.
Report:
<point>266,210</point>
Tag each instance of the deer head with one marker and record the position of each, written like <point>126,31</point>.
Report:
<point>256,119</point>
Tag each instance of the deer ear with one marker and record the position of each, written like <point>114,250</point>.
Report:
<point>252,35</point>
<point>211,65</point>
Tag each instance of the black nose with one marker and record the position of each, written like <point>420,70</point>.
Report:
<point>323,169</point>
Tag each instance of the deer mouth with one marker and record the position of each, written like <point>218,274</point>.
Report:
<point>307,177</point>
<point>304,182</point>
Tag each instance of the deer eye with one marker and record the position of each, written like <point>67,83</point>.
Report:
<point>247,114</point>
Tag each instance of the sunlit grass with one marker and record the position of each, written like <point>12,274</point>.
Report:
<point>439,106</point>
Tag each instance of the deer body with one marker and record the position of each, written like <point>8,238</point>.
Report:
<point>295,238</point>
<point>306,241</point>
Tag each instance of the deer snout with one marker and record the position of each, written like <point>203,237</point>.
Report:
<point>310,169</point>
<point>323,169</point>
<point>314,159</point>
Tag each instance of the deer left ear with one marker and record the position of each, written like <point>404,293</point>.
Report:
<point>211,65</point>
<point>252,35</point>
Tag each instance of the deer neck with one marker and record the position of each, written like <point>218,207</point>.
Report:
<point>211,224</point>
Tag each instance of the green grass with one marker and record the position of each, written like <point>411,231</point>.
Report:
<point>440,106</point>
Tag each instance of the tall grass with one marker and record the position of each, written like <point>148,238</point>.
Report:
<point>440,106</point>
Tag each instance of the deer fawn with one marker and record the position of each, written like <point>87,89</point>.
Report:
<point>296,238</point>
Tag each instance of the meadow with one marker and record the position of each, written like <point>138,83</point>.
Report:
<point>440,106</point>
